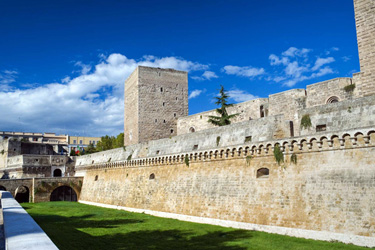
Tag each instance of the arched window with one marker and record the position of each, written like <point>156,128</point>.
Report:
<point>192,130</point>
<point>263,173</point>
<point>63,193</point>
<point>152,176</point>
<point>22,194</point>
<point>57,173</point>
<point>332,99</point>
<point>96,177</point>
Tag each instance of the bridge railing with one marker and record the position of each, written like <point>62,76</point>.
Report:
<point>20,230</point>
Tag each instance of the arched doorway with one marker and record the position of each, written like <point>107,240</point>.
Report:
<point>63,193</point>
<point>3,188</point>
<point>22,194</point>
<point>57,173</point>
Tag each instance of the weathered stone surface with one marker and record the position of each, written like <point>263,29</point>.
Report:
<point>330,188</point>
<point>154,99</point>
<point>365,24</point>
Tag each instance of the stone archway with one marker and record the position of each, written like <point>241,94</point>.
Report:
<point>2,188</point>
<point>57,173</point>
<point>22,194</point>
<point>63,193</point>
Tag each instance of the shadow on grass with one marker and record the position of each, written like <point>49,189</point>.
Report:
<point>68,233</point>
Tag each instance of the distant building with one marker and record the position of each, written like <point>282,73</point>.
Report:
<point>48,138</point>
<point>58,142</point>
<point>82,142</point>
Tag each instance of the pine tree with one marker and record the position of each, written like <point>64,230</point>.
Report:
<point>223,118</point>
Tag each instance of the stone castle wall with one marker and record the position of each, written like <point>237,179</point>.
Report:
<point>268,128</point>
<point>335,194</point>
<point>131,109</point>
<point>365,26</point>
<point>158,97</point>
<point>287,103</point>
<point>3,152</point>
<point>246,111</point>
<point>319,93</point>
<point>25,166</point>
<point>340,116</point>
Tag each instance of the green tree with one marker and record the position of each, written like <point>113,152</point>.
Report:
<point>90,149</point>
<point>105,143</point>
<point>72,152</point>
<point>119,141</point>
<point>110,142</point>
<point>223,118</point>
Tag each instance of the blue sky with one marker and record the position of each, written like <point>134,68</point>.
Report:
<point>63,63</point>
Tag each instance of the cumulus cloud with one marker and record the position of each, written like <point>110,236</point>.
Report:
<point>240,95</point>
<point>207,75</point>
<point>295,65</point>
<point>8,76</point>
<point>322,61</point>
<point>294,52</point>
<point>91,103</point>
<point>85,68</point>
<point>196,93</point>
<point>246,71</point>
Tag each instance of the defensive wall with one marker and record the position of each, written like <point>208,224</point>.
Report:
<point>286,103</point>
<point>24,166</point>
<point>244,183</point>
<point>268,128</point>
<point>365,26</point>
<point>39,189</point>
<point>154,99</point>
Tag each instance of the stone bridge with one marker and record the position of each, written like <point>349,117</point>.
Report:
<point>44,189</point>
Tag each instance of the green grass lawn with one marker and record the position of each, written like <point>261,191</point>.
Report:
<point>72,225</point>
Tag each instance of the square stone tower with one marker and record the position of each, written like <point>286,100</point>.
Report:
<point>154,99</point>
<point>365,24</point>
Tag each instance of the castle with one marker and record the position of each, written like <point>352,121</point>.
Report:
<point>299,163</point>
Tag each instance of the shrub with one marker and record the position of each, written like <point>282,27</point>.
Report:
<point>248,159</point>
<point>187,162</point>
<point>279,156</point>
<point>218,140</point>
<point>306,122</point>
<point>293,158</point>
<point>349,88</point>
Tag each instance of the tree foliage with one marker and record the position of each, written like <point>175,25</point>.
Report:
<point>110,142</point>
<point>105,143</point>
<point>223,118</point>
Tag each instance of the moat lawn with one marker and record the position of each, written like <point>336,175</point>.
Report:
<point>72,225</point>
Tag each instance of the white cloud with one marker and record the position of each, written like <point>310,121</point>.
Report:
<point>294,70</point>
<point>322,61</point>
<point>240,95</point>
<point>294,52</point>
<point>90,104</point>
<point>207,75</point>
<point>172,62</point>
<point>294,65</point>
<point>275,60</point>
<point>8,76</point>
<point>246,71</point>
<point>196,93</point>
<point>85,68</point>
<point>345,58</point>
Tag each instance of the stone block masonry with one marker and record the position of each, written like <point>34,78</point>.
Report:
<point>154,99</point>
<point>330,187</point>
<point>365,24</point>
